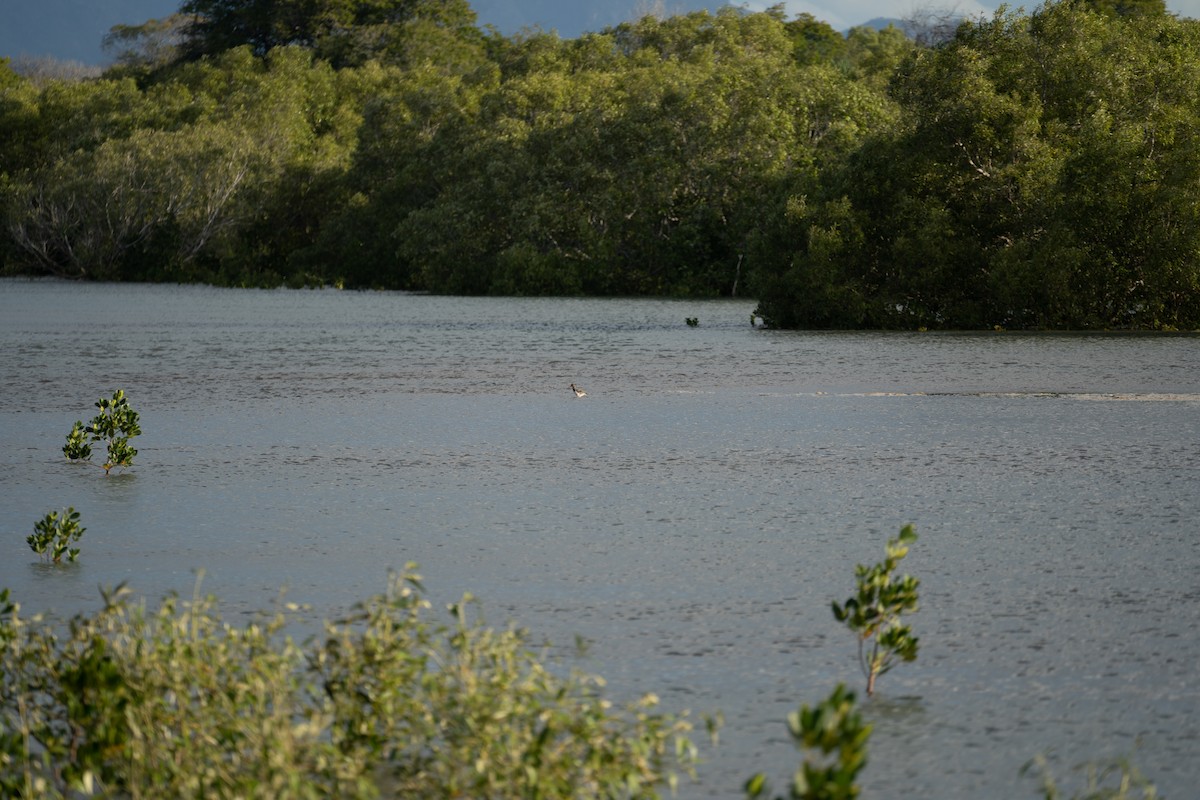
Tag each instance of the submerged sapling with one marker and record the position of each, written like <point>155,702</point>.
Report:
<point>873,614</point>
<point>115,425</point>
<point>52,535</point>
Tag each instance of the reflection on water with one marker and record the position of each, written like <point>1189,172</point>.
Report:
<point>691,518</point>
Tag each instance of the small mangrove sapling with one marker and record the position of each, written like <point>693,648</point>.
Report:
<point>874,613</point>
<point>115,425</point>
<point>52,535</point>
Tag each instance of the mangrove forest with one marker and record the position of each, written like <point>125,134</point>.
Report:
<point>1038,169</point>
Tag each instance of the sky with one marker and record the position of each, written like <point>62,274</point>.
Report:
<point>842,14</point>
<point>71,30</point>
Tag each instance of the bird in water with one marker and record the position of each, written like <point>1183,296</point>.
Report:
<point>578,392</point>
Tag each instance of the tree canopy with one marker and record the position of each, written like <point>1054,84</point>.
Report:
<point>345,32</point>
<point>1036,169</point>
<point>1045,176</point>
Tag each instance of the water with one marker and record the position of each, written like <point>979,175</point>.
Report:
<point>691,518</point>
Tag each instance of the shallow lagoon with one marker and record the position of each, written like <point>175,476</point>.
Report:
<point>691,518</point>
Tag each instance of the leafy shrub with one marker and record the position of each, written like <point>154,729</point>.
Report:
<point>52,535</point>
<point>115,425</point>
<point>176,702</point>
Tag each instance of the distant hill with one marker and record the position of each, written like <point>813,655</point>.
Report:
<point>879,23</point>
<point>570,19</point>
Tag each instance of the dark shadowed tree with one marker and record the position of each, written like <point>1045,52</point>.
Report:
<point>1126,8</point>
<point>345,32</point>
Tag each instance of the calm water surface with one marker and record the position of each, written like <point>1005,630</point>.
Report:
<point>692,517</point>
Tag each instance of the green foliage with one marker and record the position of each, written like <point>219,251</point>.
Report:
<point>115,424</point>
<point>873,55</point>
<point>1032,184</point>
<point>1126,8</point>
<point>177,702</point>
<point>345,32</point>
<point>640,174</point>
<point>834,739</point>
<point>873,613</point>
<point>1036,170</point>
<point>815,40</point>
<point>392,144</point>
<point>215,171</point>
<point>53,534</point>
<point>78,446</point>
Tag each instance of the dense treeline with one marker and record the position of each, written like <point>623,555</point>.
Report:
<point>1046,174</point>
<point>1035,170</point>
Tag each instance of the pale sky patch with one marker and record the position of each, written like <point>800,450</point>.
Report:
<point>843,14</point>
<point>1184,8</point>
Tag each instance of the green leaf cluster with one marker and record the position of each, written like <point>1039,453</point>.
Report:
<point>115,424</point>
<point>79,445</point>
<point>53,534</point>
<point>873,614</point>
<point>387,701</point>
<point>834,736</point>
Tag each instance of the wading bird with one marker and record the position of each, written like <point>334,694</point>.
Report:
<point>578,392</point>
